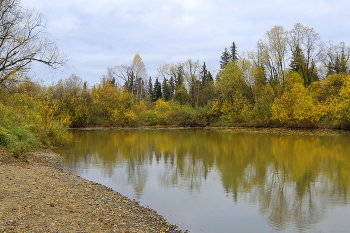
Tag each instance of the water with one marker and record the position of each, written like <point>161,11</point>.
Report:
<point>221,181</point>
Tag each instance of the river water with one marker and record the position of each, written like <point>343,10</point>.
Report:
<point>223,180</point>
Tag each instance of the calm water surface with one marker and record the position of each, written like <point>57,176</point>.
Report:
<point>220,181</point>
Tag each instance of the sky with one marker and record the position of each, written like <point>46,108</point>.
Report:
<point>96,34</point>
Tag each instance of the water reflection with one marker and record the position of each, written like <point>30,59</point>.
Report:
<point>293,179</point>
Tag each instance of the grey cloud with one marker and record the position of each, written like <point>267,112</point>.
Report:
<point>97,34</point>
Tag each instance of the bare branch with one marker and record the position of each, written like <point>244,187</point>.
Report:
<point>22,41</point>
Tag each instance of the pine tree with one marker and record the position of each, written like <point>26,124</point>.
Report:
<point>298,60</point>
<point>339,65</point>
<point>233,49</point>
<point>150,88</point>
<point>299,64</point>
<point>225,59</point>
<point>172,87</point>
<point>130,82</point>
<point>210,77</point>
<point>204,75</point>
<point>228,56</point>
<point>166,90</point>
<point>157,90</point>
<point>180,77</point>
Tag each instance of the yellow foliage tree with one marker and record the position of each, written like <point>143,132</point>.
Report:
<point>162,109</point>
<point>74,99</point>
<point>124,117</point>
<point>237,109</point>
<point>105,98</point>
<point>343,103</point>
<point>264,98</point>
<point>234,92</point>
<point>295,107</point>
<point>330,95</point>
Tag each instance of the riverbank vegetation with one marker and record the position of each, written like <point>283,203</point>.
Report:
<point>291,79</point>
<point>29,118</point>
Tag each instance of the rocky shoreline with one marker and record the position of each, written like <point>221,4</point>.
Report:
<point>36,195</point>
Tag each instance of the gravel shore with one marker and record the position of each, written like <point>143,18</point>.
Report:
<point>37,196</point>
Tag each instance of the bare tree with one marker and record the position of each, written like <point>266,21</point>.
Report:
<point>191,71</point>
<point>22,42</point>
<point>168,70</point>
<point>134,76</point>
<point>335,57</point>
<point>274,54</point>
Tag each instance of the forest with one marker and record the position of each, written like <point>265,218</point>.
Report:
<point>292,79</point>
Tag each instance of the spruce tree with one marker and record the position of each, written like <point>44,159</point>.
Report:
<point>157,90</point>
<point>150,88</point>
<point>225,59</point>
<point>172,87</point>
<point>204,75</point>
<point>180,77</point>
<point>299,64</point>
<point>166,90</point>
<point>228,56</point>
<point>210,77</point>
<point>233,49</point>
<point>298,60</point>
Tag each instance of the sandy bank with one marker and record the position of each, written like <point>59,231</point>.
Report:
<point>37,196</point>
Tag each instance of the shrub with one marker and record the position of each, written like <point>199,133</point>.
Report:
<point>28,123</point>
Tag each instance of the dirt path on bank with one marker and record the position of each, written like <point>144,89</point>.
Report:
<point>37,196</point>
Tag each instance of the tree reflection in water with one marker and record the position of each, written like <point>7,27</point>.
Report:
<point>295,179</point>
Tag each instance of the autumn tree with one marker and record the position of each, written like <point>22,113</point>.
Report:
<point>273,52</point>
<point>234,94</point>
<point>110,76</point>
<point>134,77</point>
<point>191,69</point>
<point>343,103</point>
<point>140,72</point>
<point>295,107</point>
<point>74,99</point>
<point>258,70</point>
<point>174,73</point>
<point>304,43</point>
<point>22,42</point>
<point>105,97</point>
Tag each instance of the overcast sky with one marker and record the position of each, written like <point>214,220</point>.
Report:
<point>96,34</point>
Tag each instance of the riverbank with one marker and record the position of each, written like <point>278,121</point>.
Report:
<point>266,130</point>
<point>36,195</point>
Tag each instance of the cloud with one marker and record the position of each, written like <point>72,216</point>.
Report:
<point>97,34</point>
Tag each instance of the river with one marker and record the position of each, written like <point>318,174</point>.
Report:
<point>223,180</point>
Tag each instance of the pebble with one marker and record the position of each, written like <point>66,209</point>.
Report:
<point>38,196</point>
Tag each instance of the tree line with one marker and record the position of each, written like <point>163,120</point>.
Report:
<point>291,79</point>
